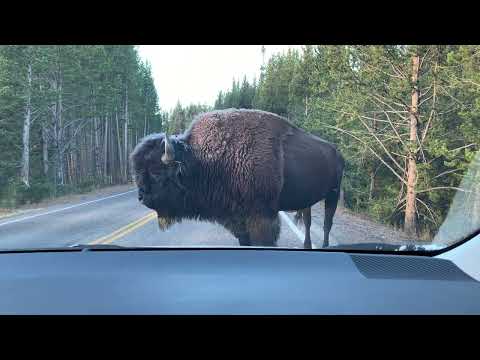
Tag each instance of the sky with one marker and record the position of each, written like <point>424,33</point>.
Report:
<point>196,73</point>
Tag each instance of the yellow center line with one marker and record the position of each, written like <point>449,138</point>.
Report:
<point>125,230</point>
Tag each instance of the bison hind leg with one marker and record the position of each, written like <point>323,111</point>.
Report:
<point>298,217</point>
<point>305,216</point>
<point>263,230</point>
<point>237,228</point>
<point>307,220</point>
<point>331,202</point>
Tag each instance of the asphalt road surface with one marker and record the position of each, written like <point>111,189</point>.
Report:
<point>117,219</point>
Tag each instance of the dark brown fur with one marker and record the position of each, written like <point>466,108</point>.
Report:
<point>236,168</point>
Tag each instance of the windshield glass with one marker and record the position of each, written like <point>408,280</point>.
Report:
<point>291,146</point>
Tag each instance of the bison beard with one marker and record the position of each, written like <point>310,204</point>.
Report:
<point>238,168</point>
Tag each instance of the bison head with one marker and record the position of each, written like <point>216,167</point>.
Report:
<point>158,170</point>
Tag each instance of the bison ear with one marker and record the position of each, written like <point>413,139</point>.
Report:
<point>169,154</point>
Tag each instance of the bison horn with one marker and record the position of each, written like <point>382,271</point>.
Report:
<point>169,154</point>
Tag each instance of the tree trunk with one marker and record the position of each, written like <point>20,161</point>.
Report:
<point>136,137</point>
<point>98,166</point>
<point>410,210</point>
<point>26,130</point>
<point>126,135</point>
<point>373,172</point>
<point>61,159</point>
<point>145,125</point>
<point>111,162</point>
<point>45,150</point>
<point>70,165</point>
<point>105,149</point>
<point>77,157</point>
<point>91,154</point>
<point>372,185</point>
<point>58,133</point>
<point>120,161</point>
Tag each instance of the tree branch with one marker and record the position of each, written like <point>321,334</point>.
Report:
<point>384,102</point>
<point>445,173</point>
<point>421,149</point>
<point>442,188</point>
<point>463,147</point>
<point>395,130</point>
<point>383,72</point>
<point>470,82</point>
<point>424,100</point>
<point>371,150</point>
<point>381,120</point>
<point>429,210</point>
<point>381,144</point>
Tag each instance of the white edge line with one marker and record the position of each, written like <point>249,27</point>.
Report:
<point>294,228</point>
<point>66,208</point>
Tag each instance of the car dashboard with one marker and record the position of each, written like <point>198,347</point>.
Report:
<point>210,281</point>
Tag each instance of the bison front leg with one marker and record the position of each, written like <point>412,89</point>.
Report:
<point>263,230</point>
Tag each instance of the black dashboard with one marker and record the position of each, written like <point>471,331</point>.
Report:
<point>232,281</point>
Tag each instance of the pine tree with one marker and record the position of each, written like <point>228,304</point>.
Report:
<point>71,115</point>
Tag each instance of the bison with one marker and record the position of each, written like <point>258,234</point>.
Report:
<point>238,168</point>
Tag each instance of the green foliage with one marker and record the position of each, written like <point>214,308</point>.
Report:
<point>36,192</point>
<point>239,96</point>
<point>275,84</point>
<point>383,208</point>
<point>77,93</point>
<point>181,117</point>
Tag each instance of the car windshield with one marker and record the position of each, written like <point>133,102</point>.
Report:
<point>287,146</point>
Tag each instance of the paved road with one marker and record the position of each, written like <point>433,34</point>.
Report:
<point>116,219</point>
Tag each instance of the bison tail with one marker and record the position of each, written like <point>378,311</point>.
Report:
<point>298,217</point>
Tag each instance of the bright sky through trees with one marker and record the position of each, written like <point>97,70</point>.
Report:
<point>195,74</point>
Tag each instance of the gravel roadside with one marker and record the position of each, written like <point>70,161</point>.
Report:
<point>350,228</point>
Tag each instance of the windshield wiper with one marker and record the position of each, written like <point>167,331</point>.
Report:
<point>86,247</point>
<point>75,247</point>
<point>370,246</point>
